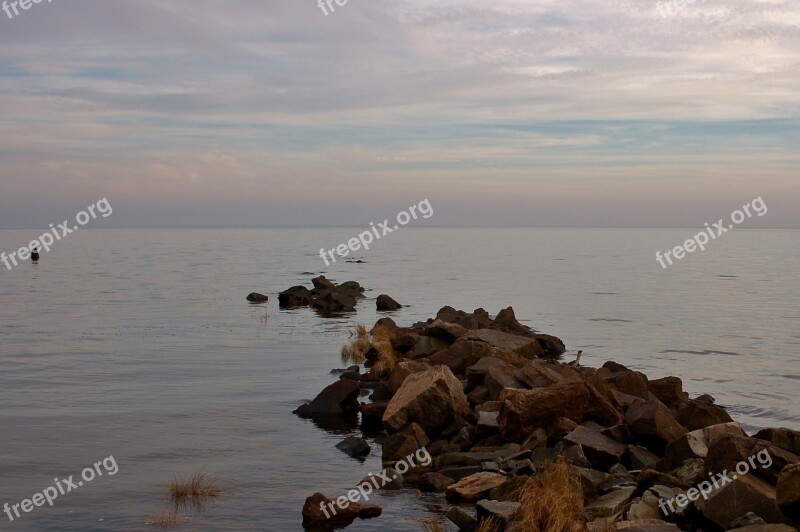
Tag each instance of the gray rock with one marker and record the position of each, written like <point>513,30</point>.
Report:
<point>463,519</point>
<point>355,447</point>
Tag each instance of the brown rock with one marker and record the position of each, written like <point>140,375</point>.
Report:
<point>476,373</point>
<point>296,296</point>
<point>522,345</point>
<point>668,390</point>
<point>448,332</point>
<point>462,354</point>
<point>536,374</point>
<point>788,491</point>
<point>319,509</point>
<point>435,482</point>
<point>602,452</point>
<point>500,378</point>
<point>739,496</point>
<point>385,303</point>
<point>695,414</point>
<point>786,439</point>
<point>341,397</point>
<point>403,343</point>
<point>695,444</point>
<point>653,425</point>
<point>525,410</point>
<point>401,444</point>
<point>630,382</point>
<point>474,487</point>
<point>433,398</point>
<point>401,371</point>
<point>728,450</point>
<point>372,413</point>
<point>604,407</point>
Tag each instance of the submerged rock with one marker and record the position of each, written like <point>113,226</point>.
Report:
<point>255,297</point>
<point>386,303</point>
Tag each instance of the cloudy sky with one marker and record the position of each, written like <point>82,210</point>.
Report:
<point>504,112</point>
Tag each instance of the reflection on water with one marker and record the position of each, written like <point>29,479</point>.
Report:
<point>148,351</point>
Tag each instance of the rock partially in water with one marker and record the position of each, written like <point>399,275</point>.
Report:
<point>338,398</point>
<point>387,304</point>
<point>255,297</point>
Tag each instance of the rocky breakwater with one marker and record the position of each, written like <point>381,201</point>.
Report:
<point>520,441</point>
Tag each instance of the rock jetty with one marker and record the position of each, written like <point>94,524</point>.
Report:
<point>508,425</point>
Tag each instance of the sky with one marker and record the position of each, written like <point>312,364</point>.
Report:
<point>500,113</point>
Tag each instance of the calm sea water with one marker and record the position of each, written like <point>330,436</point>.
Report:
<point>139,344</point>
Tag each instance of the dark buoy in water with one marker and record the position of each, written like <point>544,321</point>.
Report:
<point>35,254</point>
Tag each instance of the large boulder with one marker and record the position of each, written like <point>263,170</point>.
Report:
<point>524,346</point>
<point>629,382</point>
<point>334,301</point>
<point>522,411</point>
<point>339,398</point>
<point>538,374</point>
<point>695,444</point>
<point>296,296</point>
<point>501,378</point>
<point>401,372</point>
<point>668,390</point>
<point>399,445</point>
<point>788,492</point>
<point>697,414</point>
<point>763,459</point>
<point>653,425</point>
<point>476,373</point>
<point>786,439</point>
<point>433,398</point>
<point>741,495</point>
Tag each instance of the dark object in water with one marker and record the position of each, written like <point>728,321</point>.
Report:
<point>35,254</point>
<point>255,297</point>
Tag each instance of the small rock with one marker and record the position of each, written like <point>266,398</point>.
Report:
<point>255,297</point>
<point>355,447</point>
<point>386,303</point>
<point>320,509</point>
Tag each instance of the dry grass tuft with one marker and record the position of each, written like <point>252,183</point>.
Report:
<point>361,341</point>
<point>355,352</point>
<point>432,526</point>
<point>552,501</point>
<point>198,490</point>
<point>490,525</point>
<point>165,518</point>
